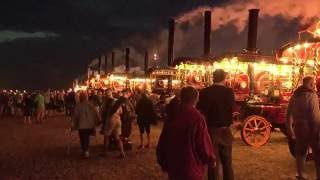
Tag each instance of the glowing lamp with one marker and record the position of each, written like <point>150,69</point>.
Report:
<point>284,60</point>
<point>290,50</point>
<point>297,47</point>
<point>317,32</point>
<point>310,62</point>
<point>243,85</point>
<point>306,45</point>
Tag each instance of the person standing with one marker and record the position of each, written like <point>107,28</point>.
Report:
<point>2,103</point>
<point>70,101</point>
<point>106,114</point>
<point>47,102</point>
<point>40,107</point>
<point>27,108</point>
<point>216,103</point>
<point>85,119</point>
<point>114,127</point>
<point>184,146</point>
<point>303,112</point>
<point>145,115</point>
<point>94,99</point>
<point>127,117</point>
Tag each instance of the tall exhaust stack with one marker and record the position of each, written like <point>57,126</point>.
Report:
<point>171,42</point>
<point>112,60</point>
<point>146,62</point>
<point>127,60</point>
<point>100,63</point>
<point>252,30</point>
<point>105,63</point>
<point>207,34</point>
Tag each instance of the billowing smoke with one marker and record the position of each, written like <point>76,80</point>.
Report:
<point>122,69</point>
<point>237,14</point>
<point>279,22</point>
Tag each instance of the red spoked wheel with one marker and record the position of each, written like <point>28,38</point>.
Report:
<point>256,131</point>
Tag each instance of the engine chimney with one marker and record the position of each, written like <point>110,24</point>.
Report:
<point>100,62</point>
<point>106,63</point>
<point>146,62</point>
<point>207,34</point>
<point>127,60</point>
<point>171,42</point>
<point>112,60</point>
<point>252,30</point>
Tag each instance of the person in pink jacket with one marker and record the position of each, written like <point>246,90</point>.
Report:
<point>184,147</point>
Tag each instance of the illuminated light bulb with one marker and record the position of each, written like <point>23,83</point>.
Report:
<point>306,45</point>
<point>243,85</point>
<point>290,50</point>
<point>234,60</point>
<point>297,47</point>
<point>284,60</point>
<point>97,76</point>
<point>310,62</point>
<point>317,32</point>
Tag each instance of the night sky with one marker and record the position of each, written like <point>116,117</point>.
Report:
<point>48,43</point>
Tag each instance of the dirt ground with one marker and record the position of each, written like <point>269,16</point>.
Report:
<point>40,152</point>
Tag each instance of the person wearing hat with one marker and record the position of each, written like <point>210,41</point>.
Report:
<point>216,103</point>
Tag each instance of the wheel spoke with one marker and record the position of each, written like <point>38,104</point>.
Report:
<point>249,125</point>
<point>263,128</point>
<point>247,135</point>
<point>259,123</point>
<point>255,123</point>
<point>254,140</point>
<point>249,129</point>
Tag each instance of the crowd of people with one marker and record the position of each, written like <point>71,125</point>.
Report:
<point>112,113</point>
<point>37,104</point>
<point>196,131</point>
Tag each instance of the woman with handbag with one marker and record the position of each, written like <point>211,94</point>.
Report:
<point>85,119</point>
<point>113,128</point>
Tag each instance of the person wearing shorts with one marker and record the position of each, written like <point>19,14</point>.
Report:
<point>114,128</point>
<point>27,109</point>
<point>40,107</point>
<point>145,115</point>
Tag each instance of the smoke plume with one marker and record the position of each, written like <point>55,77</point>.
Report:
<point>236,13</point>
<point>279,22</point>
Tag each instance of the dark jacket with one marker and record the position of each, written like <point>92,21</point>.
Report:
<point>106,110</point>
<point>172,108</point>
<point>145,110</point>
<point>216,103</point>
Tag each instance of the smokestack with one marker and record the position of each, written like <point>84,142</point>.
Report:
<point>252,30</point>
<point>207,33</point>
<point>146,62</point>
<point>112,60</point>
<point>127,60</point>
<point>105,64</point>
<point>171,42</point>
<point>100,62</point>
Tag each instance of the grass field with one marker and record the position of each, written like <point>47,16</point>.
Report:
<point>40,152</point>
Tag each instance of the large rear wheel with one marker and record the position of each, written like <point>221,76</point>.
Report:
<point>256,131</point>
